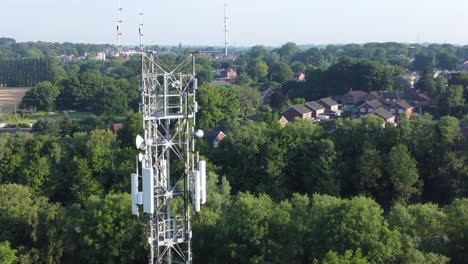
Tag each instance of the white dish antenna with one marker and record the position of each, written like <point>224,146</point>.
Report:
<point>139,142</point>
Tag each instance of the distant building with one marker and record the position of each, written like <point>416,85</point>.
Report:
<point>101,56</point>
<point>329,104</point>
<point>266,96</point>
<point>114,128</point>
<point>297,111</point>
<point>368,108</point>
<point>214,137</point>
<point>401,107</point>
<point>354,97</point>
<point>299,76</point>
<point>317,109</point>
<point>388,117</point>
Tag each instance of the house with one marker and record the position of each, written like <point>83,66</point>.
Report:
<point>266,96</point>
<point>297,111</point>
<point>283,121</point>
<point>401,107</point>
<point>225,74</point>
<point>317,109</point>
<point>368,107</point>
<point>354,97</point>
<point>329,104</point>
<point>231,74</point>
<point>215,136</point>
<point>299,76</point>
<point>385,115</point>
<point>114,128</point>
<point>383,96</point>
<point>388,117</point>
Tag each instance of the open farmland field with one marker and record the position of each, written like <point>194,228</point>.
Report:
<point>10,96</point>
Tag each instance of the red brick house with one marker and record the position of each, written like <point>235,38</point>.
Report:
<point>401,107</point>
<point>297,111</point>
<point>388,117</point>
<point>299,76</point>
<point>329,104</point>
<point>317,109</point>
<point>215,136</point>
<point>354,97</point>
<point>368,107</point>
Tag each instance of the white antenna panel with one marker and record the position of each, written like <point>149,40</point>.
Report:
<point>196,185</point>
<point>202,168</point>
<point>148,191</point>
<point>134,186</point>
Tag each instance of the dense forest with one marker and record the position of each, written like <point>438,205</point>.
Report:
<point>339,192</point>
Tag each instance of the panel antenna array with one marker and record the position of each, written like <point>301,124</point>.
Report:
<point>173,179</point>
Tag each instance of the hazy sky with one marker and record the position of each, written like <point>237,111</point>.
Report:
<point>267,22</point>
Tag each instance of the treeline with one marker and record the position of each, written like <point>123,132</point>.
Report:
<point>11,49</point>
<point>24,72</point>
<point>64,195</point>
<point>421,160</point>
<point>98,87</point>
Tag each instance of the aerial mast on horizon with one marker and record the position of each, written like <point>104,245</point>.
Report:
<point>226,29</point>
<point>119,30</point>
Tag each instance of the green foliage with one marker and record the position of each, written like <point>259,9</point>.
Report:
<point>217,105</point>
<point>258,69</point>
<point>404,178</point>
<point>280,72</point>
<point>7,255</point>
<point>423,62</point>
<point>348,258</point>
<point>132,127</point>
<point>457,230</point>
<point>42,96</point>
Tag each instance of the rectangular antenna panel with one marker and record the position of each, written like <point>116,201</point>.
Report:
<point>134,186</point>
<point>148,191</point>
<point>202,168</point>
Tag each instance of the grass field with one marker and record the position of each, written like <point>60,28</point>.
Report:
<point>32,118</point>
<point>9,96</point>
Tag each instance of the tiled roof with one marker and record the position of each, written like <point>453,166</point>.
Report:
<point>374,104</point>
<point>314,106</point>
<point>301,109</point>
<point>403,104</point>
<point>328,101</point>
<point>382,112</point>
<point>357,93</point>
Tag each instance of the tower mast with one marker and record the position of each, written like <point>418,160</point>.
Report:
<point>171,172</point>
<point>119,30</point>
<point>226,29</point>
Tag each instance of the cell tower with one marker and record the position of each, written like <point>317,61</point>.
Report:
<point>119,30</point>
<point>226,29</point>
<point>173,179</point>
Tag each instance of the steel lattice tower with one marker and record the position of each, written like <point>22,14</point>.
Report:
<point>172,176</point>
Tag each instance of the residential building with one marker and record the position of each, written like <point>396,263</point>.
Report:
<point>317,109</point>
<point>388,117</point>
<point>368,108</point>
<point>401,107</point>
<point>297,111</point>
<point>299,76</point>
<point>266,96</point>
<point>329,104</point>
<point>354,97</point>
<point>214,137</point>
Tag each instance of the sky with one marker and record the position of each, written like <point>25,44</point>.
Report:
<point>251,22</point>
